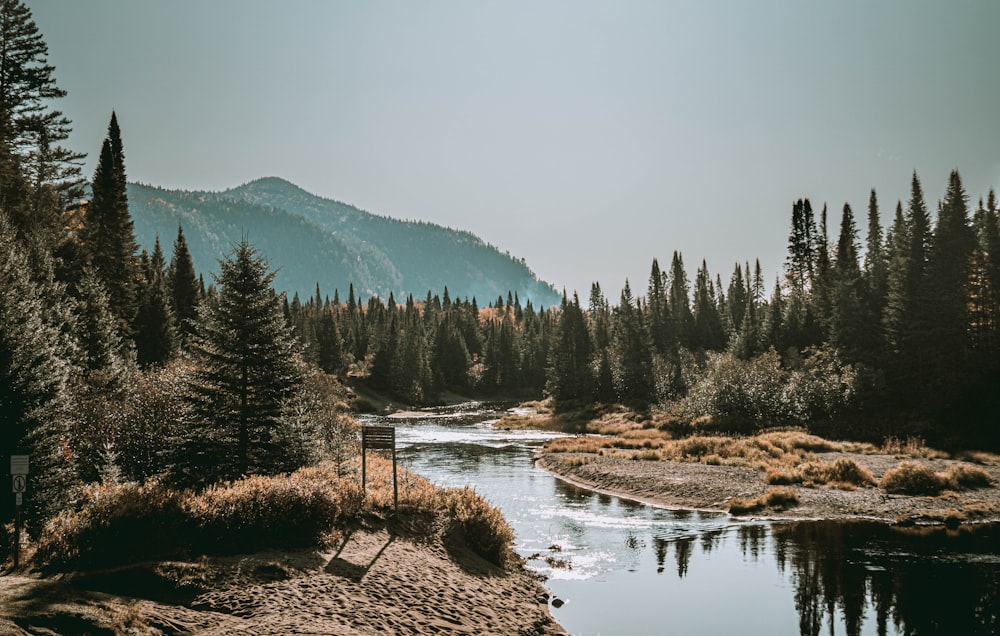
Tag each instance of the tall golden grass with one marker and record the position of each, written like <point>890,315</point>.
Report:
<point>121,523</point>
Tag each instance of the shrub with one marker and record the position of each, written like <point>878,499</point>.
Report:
<point>912,478</point>
<point>960,477</point>
<point>480,525</point>
<point>259,511</point>
<point>776,475</point>
<point>775,498</point>
<point>114,524</point>
<point>780,498</point>
<point>847,471</point>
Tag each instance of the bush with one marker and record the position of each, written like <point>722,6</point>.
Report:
<point>912,478</point>
<point>257,512</point>
<point>114,524</point>
<point>774,498</point>
<point>961,477</point>
<point>480,525</point>
<point>843,471</point>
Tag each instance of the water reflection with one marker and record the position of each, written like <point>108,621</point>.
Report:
<point>916,581</point>
<point>633,569</point>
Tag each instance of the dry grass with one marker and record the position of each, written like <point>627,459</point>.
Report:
<point>913,478</point>
<point>912,447</point>
<point>962,477</point>
<point>774,499</point>
<point>121,523</point>
<point>978,457</point>
<point>844,473</point>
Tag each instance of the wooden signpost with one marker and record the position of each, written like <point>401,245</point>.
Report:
<point>379,438</point>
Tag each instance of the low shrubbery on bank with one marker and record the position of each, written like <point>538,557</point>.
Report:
<point>114,524</point>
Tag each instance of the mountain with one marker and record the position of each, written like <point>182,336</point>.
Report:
<point>311,240</point>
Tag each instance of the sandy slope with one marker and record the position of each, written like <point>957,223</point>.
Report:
<point>375,581</point>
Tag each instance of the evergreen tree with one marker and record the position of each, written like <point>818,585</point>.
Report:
<point>822,280</point>
<point>35,371</point>
<point>948,275</point>
<point>875,258</point>
<point>108,234</point>
<point>38,177</point>
<point>897,270</point>
<point>708,332</point>
<point>679,303</point>
<point>736,302</point>
<point>155,334</point>
<point>570,376</point>
<point>801,246</point>
<point>330,346</point>
<point>104,356</point>
<point>661,328</point>
<point>246,357</point>
<point>847,320</point>
<point>631,359</point>
<point>906,319</point>
<point>184,287</point>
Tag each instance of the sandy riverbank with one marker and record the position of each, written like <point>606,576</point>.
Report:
<point>709,487</point>
<point>377,580</point>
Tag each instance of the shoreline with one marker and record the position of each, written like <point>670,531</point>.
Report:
<point>692,486</point>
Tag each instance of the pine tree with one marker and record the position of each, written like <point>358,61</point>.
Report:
<point>631,356</point>
<point>679,303</point>
<point>708,332</point>
<point>108,234</point>
<point>661,327</point>
<point>897,298</point>
<point>35,371</point>
<point>801,245</point>
<point>184,288</point>
<point>570,377</point>
<point>822,280</point>
<point>155,333</point>
<point>948,272</point>
<point>246,357</point>
<point>907,302</point>
<point>846,320</point>
<point>104,355</point>
<point>38,177</point>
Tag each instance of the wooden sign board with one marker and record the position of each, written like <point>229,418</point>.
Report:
<point>378,437</point>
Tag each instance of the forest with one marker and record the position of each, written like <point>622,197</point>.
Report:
<point>119,364</point>
<point>893,338</point>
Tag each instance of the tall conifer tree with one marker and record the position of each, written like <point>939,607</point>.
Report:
<point>183,285</point>
<point>108,233</point>
<point>246,356</point>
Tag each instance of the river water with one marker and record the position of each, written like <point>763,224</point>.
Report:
<point>620,567</point>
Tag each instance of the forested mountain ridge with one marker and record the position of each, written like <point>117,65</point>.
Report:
<point>316,240</point>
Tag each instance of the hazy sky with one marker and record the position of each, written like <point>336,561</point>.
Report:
<point>587,137</point>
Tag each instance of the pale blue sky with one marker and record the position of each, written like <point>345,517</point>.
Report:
<point>587,137</point>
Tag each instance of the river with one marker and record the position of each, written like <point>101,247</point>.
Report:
<point>620,567</point>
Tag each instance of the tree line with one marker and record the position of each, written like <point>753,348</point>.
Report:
<point>894,335</point>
